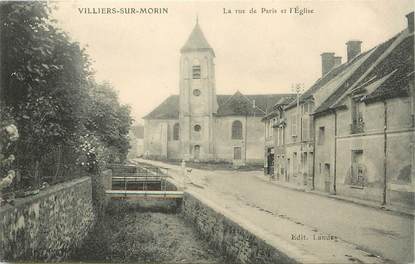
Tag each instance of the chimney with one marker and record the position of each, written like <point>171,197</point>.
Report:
<point>410,19</point>
<point>327,62</point>
<point>353,49</point>
<point>337,61</point>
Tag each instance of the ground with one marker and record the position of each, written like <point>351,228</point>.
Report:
<point>161,237</point>
<point>337,231</point>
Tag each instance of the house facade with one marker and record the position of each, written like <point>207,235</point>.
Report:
<point>200,125</point>
<point>370,127</point>
<point>352,132</point>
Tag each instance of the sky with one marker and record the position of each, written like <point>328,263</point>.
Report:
<point>255,53</point>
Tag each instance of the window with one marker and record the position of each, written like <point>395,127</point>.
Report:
<point>237,130</point>
<point>197,128</point>
<point>357,117</point>
<point>321,135</point>
<point>294,122</point>
<point>305,128</point>
<point>176,131</point>
<point>196,71</point>
<point>196,92</point>
<point>358,173</point>
<point>305,108</point>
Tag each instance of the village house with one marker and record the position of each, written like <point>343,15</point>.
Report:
<point>352,132</point>
<point>274,138</point>
<point>294,164</point>
<point>365,129</point>
<point>200,125</point>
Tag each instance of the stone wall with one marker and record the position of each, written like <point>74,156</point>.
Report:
<point>47,226</point>
<point>237,241</point>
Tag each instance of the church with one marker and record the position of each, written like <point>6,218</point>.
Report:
<point>199,124</point>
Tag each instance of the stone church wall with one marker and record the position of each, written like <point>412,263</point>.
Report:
<point>251,149</point>
<point>158,139</point>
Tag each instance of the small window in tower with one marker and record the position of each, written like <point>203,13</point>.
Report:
<point>196,92</point>
<point>196,71</point>
<point>197,128</point>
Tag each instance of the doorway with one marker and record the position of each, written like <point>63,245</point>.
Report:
<point>237,153</point>
<point>327,178</point>
<point>196,152</point>
<point>270,161</point>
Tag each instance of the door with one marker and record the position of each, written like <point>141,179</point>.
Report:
<point>237,153</point>
<point>304,167</point>
<point>327,178</point>
<point>196,152</point>
<point>270,164</point>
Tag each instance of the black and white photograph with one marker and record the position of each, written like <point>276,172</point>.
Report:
<point>200,131</point>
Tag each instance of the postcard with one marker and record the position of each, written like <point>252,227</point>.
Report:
<point>207,131</point>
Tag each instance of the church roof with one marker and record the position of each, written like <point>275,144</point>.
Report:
<point>251,104</point>
<point>196,41</point>
<point>228,105</point>
<point>168,109</point>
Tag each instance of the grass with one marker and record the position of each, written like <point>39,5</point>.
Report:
<point>134,235</point>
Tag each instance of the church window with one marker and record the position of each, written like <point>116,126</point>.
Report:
<point>197,128</point>
<point>196,92</point>
<point>196,71</point>
<point>237,130</point>
<point>176,131</point>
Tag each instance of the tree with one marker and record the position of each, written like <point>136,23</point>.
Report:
<point>108,119</point>
<point>48,86</point>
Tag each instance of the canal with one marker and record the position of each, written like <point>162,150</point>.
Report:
<point>130,233</point>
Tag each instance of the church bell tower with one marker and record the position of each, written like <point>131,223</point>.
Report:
<point>198,101</point>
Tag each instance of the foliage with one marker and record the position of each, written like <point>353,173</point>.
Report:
<point>48,85</point>
<point>8,135</point>
<point>109,120</point>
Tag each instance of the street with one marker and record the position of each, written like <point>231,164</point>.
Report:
<point>333,230</point>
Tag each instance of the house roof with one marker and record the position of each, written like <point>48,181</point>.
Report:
<point>386,73</point>
<point>280,103</point>
<point>318,85</point>
<point>399,63</point>
<point>228,105</point>
<point>196,41</point>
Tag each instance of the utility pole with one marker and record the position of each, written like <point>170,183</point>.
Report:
<point>298,88</point>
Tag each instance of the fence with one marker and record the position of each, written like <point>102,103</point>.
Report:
<point>139,177</point>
